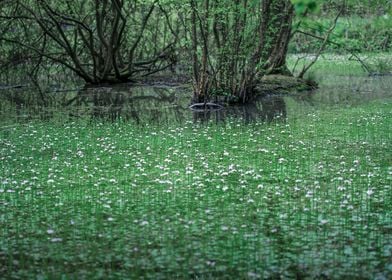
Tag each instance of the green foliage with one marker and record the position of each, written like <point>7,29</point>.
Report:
<point>102,42</point>
<point>381,66</point>
<point>334,68</point>
<point>351,33</point>
<point>303,6</point>
<point>363,26</point>
<point>358,7</point>
<point>113,200</point>
<point>237,42</point>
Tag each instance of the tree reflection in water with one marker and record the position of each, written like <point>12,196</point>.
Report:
<point>158,105</point>
<point>264,109</point>
<point>141,105</point>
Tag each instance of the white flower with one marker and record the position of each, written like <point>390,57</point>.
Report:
<point>253,275</point>
<point>309,194</point>
<point>80,153</point>
<point>323,221</point>
<point>369,192</point>
<point>50,231</point>
<point>56,239</point>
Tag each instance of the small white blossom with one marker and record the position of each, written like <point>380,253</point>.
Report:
<point>56,239</point>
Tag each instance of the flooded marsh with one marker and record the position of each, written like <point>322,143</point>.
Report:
<point>130,183</point>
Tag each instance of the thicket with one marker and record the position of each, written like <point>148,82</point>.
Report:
<point>225,45</point>
<point>363,26</point>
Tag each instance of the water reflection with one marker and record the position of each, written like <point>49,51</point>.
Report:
<point>142,105</point>
<point>265,109</point>
<point>161,105</point>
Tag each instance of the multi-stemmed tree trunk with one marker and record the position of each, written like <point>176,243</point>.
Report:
<point>99,40</point>
<point>233,47</point>
<point>233,43</point>
<point>278,33</point>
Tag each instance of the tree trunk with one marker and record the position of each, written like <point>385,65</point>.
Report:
<point>279,33</point>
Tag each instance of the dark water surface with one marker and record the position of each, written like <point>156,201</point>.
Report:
<point>170,104</point>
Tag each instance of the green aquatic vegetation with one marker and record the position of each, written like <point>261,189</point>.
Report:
<point>306,197</point>
<point>332,65</point>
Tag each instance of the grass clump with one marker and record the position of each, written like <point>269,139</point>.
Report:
<point>309,197</point>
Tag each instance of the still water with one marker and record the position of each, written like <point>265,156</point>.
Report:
<point>170,104</point>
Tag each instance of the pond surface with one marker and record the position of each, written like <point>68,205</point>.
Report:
<point>170,104</point>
